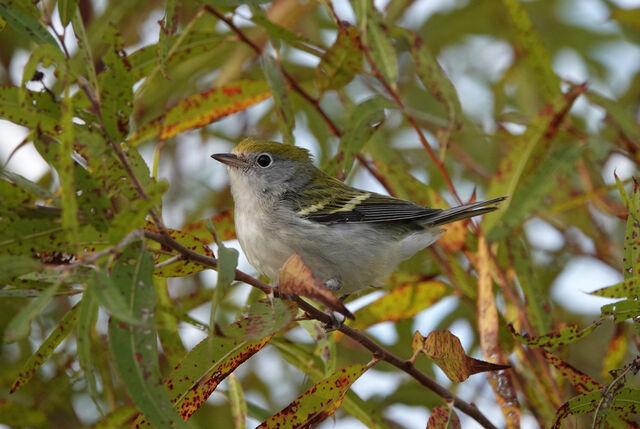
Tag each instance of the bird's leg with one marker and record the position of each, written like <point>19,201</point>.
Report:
<point>335,323</point>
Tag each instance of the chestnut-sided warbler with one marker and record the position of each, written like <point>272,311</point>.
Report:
<point>349,238</point>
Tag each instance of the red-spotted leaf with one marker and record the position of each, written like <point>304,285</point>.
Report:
<point>446,351</point>
<point>443,417</point>
<point>202,109</point>
<point>47,347</point>
<point>296,278</point>
<point>582,382</point>
<point>340,63</point>
<point>411,293</point>
<point>317,403</point>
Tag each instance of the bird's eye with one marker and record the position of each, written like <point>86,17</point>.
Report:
<point>265,160</point>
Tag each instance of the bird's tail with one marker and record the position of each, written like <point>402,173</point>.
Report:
<point>464,211</point>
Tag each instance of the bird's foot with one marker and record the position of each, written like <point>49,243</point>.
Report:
<point>334,323</point>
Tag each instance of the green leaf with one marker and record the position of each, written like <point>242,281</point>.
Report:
<point>528,40</point>
<point>15,266</point>
<point>107,292</point>
<point>65,170</point>
<point>84,47</point>
<point>116,419</point>
<point>277,33</point>
<point>410,295</point>
<point>359,128</point>
<point>317,403</point>
<point>35,361</point>
<point>631,256</point>
<point>145,60</point>
<point>134,348</point>
<point>87,317</point>
<point>201,109</point>
<point>167,29</point>
<point>66,10</point>
<point>342,61</point>
<point>227,263</point>
<point>26,25</point>
<point>621,116</point>
<point>377,38</point>
<point>276,81</point>
<point>531,194</point>
<point>525,150</point>
<point>622,310</point>
<point>237,402</point>
<point>31,109</point>
<point>14,414</point>
<point>536,302</point>
<point>116,88</point>
<point>433,76</point>
<point>20,326</point>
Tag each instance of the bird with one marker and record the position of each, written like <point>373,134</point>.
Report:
<point>349,238</point>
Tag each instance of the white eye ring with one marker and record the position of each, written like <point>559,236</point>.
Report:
<point>264,160</point>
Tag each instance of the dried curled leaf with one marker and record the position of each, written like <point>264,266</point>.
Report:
<point>446,351</point>
<point>296,278</point>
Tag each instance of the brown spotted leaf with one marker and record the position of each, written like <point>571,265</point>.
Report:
<point>191,382</point>
<point>296,278</point>
<point>582,382</point>
<point>446,351</point>
<point>317,403</point>
<point>411,294</point>
<point>181,268</point>
<point>202,109</point>
<point>443,417</point>
<point>59,333</point>
<point>223,223</point>
<point>566,335</point>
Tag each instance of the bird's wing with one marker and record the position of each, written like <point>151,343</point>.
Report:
<point>355,206</point>
<point>323,204</point>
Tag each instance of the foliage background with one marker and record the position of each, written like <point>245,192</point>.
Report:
<point>504,113</point>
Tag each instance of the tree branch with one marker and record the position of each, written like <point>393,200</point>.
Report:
<point>378,351</point>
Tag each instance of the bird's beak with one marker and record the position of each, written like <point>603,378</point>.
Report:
<point>230,159</point>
